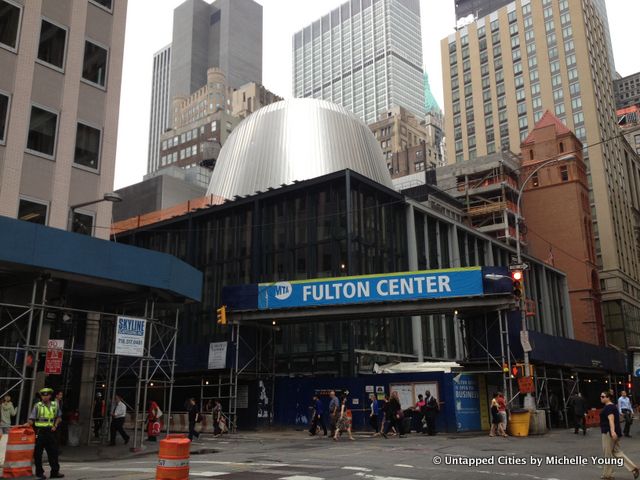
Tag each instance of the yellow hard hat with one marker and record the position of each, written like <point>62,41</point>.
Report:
<point>46,390</point>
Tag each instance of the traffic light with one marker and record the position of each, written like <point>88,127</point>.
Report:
<point>517,278</point>
<point>222,315</point>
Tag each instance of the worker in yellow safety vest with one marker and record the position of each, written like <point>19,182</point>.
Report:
<point>45,417</point>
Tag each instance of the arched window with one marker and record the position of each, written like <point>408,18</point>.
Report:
<point>561,147</point>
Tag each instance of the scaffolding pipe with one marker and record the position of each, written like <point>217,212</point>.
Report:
<point>32,393</point>
<point>146,376</point>
<point>138,386</point>
<point>24,360</point>
<point>173,367</point>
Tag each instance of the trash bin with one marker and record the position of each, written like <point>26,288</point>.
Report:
<point>538,423</point>
<point>74,430</point>
<point>519,424</point>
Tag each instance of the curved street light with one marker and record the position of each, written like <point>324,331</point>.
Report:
<point>528,400</point>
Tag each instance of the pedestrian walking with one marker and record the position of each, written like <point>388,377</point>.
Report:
<point>7,410</point>
<point>99,410</point>
<point>46,417</point>
<point>626,412</point>
<point>374,415</point>
<point>394,415</point>
<point>317,419</point>
<point>334,411</point>
<point>496,418</point>
<point>118,414</point>
<point>611,433</point>
<point>216,415</point>
<point>419,421</point>
<point>431,408</point>
<point>502,409</point>
<point>154,424</point>
<point>579,413</point>
<point>193,411</point>
<point>344,419</point>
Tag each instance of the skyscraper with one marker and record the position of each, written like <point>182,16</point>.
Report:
<point>504,70</point>
<point>226,34</point>
<point>59,102</point>
<point>365,55</point>
<point>160,105</point>
<point>466,10</point>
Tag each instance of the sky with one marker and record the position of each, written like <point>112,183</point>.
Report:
<point>150,29</point>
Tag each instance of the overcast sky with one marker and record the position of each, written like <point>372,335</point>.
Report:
<point>149,29</point>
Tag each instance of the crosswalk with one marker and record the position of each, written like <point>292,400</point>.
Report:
<point>223,470</point>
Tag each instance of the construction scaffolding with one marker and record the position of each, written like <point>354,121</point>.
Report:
<point>89,364</point>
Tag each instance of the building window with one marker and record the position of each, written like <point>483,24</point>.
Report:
<point>564,174</point>
<point>42,131</point>
<point>31,210</point>
<point>9,24</point>
<point>82,223</point>
<point>107,4</point>
<point>53,40</point>
<point>87,146</point>
<point>214,126</point>
<point>94,67</point>
<point>4,114</point>
<point>534,180</point>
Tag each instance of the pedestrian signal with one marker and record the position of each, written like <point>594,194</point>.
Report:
<point>517,279</point>
<point>222,315</point>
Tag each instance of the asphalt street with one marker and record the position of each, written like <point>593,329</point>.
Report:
<point>293,455</point>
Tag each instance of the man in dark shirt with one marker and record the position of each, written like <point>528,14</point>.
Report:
<point>611,433</point>
<point>318,411</point>
<point>579,413</point>
<point>431,409</point>
<point>194,412</point>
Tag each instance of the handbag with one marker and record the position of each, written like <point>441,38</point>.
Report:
<point>155,428</point>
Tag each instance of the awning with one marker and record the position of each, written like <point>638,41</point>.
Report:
<point>28,247</point>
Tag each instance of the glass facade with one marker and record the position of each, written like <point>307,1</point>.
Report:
<point>365,55</point>
<point>304,231</point>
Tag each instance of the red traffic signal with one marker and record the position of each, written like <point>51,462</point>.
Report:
<point>517,278</point>
<point>514,371</point>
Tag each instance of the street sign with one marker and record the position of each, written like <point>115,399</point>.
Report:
<point>55,353</point>
<point>518,266</point>
<point>217,355</point>
<point>525,384</point>
<point>524,341</point>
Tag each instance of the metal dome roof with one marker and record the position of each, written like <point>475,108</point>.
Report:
<point>295,139</point>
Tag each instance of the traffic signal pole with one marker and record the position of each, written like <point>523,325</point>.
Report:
<point>529,402</point>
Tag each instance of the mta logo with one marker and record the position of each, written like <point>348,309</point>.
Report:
<point>283,290</point>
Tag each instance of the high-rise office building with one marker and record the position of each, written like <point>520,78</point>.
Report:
<point>226,34</point>
<point>59,102</point>
<point>471,10</point>
<point>504,70</point>
<point>160,104</point>
<point>365,55</point>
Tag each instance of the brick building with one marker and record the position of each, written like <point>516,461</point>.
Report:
<point>558,220</point>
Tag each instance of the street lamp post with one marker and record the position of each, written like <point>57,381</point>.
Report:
<point>528,400</point>
<point>112,197</point>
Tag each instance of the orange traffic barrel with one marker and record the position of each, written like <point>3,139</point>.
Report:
<point>173,458</point>
<point>17,459</point>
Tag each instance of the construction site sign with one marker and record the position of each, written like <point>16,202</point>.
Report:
<point>130,333</point>
<point>55,353</point>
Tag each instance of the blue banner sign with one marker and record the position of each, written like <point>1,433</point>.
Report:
<point>466,394</point>
<point>447,283</point>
